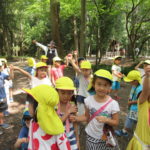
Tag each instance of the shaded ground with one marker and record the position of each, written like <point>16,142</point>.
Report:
<point>9,137</point>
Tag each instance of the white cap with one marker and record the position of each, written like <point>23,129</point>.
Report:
<point>56,59</point>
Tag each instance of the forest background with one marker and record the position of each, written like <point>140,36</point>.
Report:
<point>91,26</point>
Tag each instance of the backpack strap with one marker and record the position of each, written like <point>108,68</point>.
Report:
<point>101,109</point>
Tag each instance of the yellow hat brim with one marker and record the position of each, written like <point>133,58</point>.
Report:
<point>127,79</point>
<point>28,91</point>
<point>66,88</point>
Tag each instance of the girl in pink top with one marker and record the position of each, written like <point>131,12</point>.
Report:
<point>57,69</point>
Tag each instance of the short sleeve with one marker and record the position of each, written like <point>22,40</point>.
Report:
<point>23,132</point>
<point>115,107</point>
<point>52,72</point>
<point>138,91</point>
<point>5,76</point>
<point>113,68</point>
<point>63,67</point>
<point>87,101</point>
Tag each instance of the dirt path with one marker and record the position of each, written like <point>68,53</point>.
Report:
<point>9,137</point>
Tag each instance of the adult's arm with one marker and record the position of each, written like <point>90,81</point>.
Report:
<point>45,48</point>
<point>56,53</point>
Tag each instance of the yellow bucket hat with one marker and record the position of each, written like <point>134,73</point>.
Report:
<point>31,62</point>
<point>133,75</point>
<point>85,65</point>
<point>47,99</point>
<point>41,64</point>
<point>146,62</point>
<point>44,57</point>
<point>104,74</point>
<point>64,83</point>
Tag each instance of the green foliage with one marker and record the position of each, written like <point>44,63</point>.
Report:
<point>26,20</point>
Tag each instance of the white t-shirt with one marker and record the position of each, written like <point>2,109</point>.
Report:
<point>115,69</point>
<point>95,128</point>
<point>35,81</point>
<point>142,73</point>
<point>83,85</point>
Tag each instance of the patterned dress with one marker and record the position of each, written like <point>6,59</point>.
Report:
<point>70,134</point>
<point>39,140</point>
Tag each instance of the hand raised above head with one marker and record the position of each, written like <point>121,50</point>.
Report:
<point>34,41</point>
<point>75,52</point>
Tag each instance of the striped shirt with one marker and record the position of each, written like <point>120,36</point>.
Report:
<point>70,135</point>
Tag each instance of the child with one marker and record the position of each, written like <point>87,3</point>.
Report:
<point>84,76</point>
<point>22,141</point>
<point>57,69</point>
<point>141,138</point>
<point>134,78</point>
<point>117,75</point>
<point>3,100</point>
<point>31,66</point>
<point>66,107</point>
<point>44,58</point>
<point>97,118</point>
<point>46,130</point>
<point>8,84</point>
<point>142,71</point>
<point>40,77</point>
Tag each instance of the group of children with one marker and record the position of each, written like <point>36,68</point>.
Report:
<point>56,106</point>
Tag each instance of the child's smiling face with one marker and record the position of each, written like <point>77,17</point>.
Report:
<point>102,87</point>
<point>42,72</point>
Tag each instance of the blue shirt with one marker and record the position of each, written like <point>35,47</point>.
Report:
<point>2,89</point>
<point>134,93</point>
<point>24,134</point>
<point>30,70</point>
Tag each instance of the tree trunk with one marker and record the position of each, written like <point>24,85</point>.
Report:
<point>75,33</point>
<point>83,28</point>
<point>54,8</point>
<point>5,41</point>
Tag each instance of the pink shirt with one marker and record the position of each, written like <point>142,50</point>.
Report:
<point>56,73</point>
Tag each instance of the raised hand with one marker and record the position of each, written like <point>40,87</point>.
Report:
<point>34,41</point>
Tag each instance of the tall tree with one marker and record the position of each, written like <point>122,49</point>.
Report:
<point>83,28</point>
<point>137,23</point>
<point>55,24</point>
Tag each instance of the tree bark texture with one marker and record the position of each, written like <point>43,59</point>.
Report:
<point>83,29</point>
<point>75,33</point>
<point>55,24</point>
